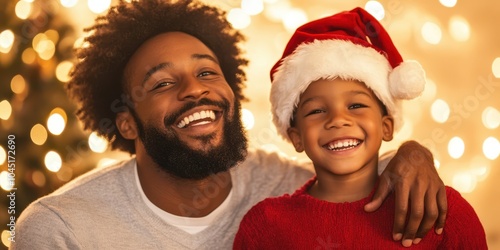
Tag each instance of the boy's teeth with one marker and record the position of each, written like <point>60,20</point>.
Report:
<point>343,144</point>
<point>195,117</point>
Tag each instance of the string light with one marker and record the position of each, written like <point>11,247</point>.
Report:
<point>6,181</point>
<point>3,155</point>
<point>56,124</point>
<point>18,84</point>
<point>294,18</point>
<point>62,71</point>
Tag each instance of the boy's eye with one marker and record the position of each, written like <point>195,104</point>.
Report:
<point>357,106</point>
<point>315,111</point>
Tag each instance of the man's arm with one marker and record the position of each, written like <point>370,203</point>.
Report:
<point>418,187</point>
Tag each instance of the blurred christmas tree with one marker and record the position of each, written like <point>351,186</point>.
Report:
<point>36,54</point>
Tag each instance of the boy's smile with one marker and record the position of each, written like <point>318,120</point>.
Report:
<point>340,126</point>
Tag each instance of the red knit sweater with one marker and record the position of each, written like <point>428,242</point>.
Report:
<point>301,221</point>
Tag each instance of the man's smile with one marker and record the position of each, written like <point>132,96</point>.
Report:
<point>197,118</point>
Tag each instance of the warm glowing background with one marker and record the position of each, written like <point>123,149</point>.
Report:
<point>457,117</point>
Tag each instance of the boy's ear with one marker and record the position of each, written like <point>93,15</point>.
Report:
<point>294,135</point>
<point>126,125</point>
<point>387,127</point>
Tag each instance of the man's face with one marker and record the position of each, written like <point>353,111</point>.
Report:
<point>185,113</point>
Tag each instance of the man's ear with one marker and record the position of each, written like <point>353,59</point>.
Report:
<point>387,127</point>
<point>126,125</point>
<point>294,135</point>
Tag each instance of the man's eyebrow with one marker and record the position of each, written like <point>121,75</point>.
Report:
<point>169,64</point>
<point>205,56</point>
<point>155,69</point>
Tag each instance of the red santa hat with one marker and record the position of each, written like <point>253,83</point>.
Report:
<point>351,45</point>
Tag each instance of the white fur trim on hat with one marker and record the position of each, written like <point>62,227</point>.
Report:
<point>329,59</point>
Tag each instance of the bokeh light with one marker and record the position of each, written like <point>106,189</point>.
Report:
<point>294,18</point>
<point>69,3</point>
<point>376,9</point>
<point>459,28</point>
<point>495,67</point>
<point>440,111</point>
<point>23,9</point>
<point>252,7</point>
<point>38,178</point>
<point>238,18</point>
<point>5,238</point>
<point>6,181</point>
<point>98,6</point>
<point>97,143</point>
<point>448,3</point>
<point>62,71</point>
<point>38,134</point>
<point>18,84</point>
<point>6,41</point>
<point>456,147</point>
<point>53,161</point>
<point>431,32</point>
<point>56,124</point>
<point>248,119</point>
<point>491,117</point>
<point>5,110</point>
<point>3,155</point>
<point>28,56</point>
<point>464,182</point>
<point>491,148</point>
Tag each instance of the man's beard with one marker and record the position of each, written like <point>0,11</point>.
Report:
<point>177,159</point>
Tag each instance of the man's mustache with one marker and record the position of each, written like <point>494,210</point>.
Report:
<point>170,120</point>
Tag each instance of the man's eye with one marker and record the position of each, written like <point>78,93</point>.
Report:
<point>207,73</point>
<point>357,106</point>
<point>162,84</point>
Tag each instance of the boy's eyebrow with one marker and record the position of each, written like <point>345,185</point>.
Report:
<point>163,65</point>
<point>360,92</point>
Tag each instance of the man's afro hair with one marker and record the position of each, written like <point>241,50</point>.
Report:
<point>97,78</point>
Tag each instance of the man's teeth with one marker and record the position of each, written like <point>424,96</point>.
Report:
<point>197,116</point>
<point>343,144</point>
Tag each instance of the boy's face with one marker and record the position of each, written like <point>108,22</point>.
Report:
<point>340,126</point>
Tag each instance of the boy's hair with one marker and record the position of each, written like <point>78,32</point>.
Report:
<point>97,82</point>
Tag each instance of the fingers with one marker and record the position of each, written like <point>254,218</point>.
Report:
<point>401,193</point>
<point>442,204</point>
<point>430,216</point>
<point>382,191</point>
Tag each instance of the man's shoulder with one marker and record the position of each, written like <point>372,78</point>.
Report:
<point>92,186</point>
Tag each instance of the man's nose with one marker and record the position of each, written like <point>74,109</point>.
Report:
<point>192,88</point>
